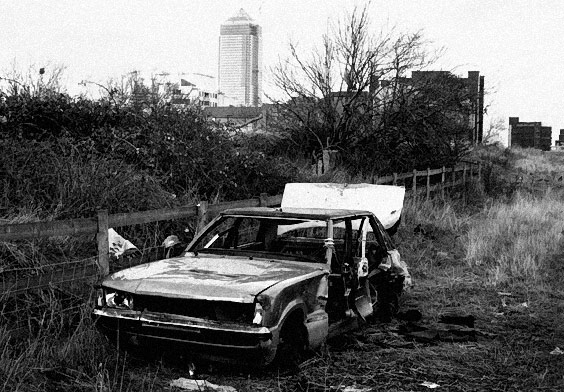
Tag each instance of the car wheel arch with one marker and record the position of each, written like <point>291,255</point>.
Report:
<point>296,313</point>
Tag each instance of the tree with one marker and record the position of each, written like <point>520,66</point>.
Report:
<point>425,121</point>
<point>37,81</point>
<point>350,95</point>
<point>496,128</point>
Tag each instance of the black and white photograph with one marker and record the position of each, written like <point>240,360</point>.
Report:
<point>281,195</point>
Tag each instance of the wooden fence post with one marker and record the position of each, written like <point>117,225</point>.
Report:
<point>479,171</point>
<point>453,176</point>
<point>443,182</point>
<point>395,179</point>
<point>464,175</point>
<point>103,243</point>
<point>202,215</point>
<point>414,186</point>
<point>428,183</point>
<point>263,200</point>
<point>375,179</point>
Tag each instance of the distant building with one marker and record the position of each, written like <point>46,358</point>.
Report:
<point>240,60</point>
<point>182,89</point>
<point>472,88</point>
<point>529,134</point>
<point>195,89</point>
<point>246,119</point>
<point>559,144</point>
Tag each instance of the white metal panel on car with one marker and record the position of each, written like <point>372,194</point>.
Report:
<point>384,201</point>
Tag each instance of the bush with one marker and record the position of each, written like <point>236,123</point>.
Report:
<point>72,156</point>
<point>53,178</point>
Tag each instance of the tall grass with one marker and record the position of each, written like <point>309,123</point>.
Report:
<point>535,161</point>
<point>514,241</point>
<point>76,354</point>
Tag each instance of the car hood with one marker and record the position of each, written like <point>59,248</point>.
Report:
<point>210,277</point>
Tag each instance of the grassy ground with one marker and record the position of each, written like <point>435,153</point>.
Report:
<point>499,259</point>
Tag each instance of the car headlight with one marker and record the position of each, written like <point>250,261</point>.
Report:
<point>100,301</point>
<point>114,299</point>
<point>259,313</point>
<point>262,304</point>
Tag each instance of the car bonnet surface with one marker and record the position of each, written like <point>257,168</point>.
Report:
<point>210,277</point>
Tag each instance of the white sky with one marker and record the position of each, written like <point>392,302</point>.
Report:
<point>517,45</point>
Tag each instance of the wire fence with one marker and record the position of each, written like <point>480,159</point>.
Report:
<point>34,289</point>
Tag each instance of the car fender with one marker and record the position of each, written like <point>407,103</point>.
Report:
<point>316,323</point>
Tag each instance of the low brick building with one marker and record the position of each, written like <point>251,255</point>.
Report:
<point>529,134</point>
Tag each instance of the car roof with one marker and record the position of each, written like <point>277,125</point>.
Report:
<point>297,213</point>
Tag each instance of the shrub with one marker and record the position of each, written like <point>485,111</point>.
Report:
<point>51,177</point>
<point>71,156</point>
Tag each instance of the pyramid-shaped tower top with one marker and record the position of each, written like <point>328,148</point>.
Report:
<point>241,17</point>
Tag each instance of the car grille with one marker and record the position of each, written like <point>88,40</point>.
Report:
<point>209,310</point>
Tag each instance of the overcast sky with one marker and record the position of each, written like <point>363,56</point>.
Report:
<point>517,45</point>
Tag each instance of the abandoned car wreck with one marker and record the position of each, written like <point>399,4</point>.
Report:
<point>259,283</point>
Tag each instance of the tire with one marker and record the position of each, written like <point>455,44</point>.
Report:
<point>388,289</point>
<point>291,346</point>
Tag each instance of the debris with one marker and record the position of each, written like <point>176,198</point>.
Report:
<point>467,320</point>
<point>170,241</point>
<point>409,315</point>
<point>118,245</point>
<point>430,385</point>
<point>356,389</point>
<point>199,385</point>
<point>435,333</point>
<point>557,351</point>
<point>172,246</point>
<point>504,293</point>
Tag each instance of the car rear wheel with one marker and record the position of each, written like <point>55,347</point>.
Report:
<point>385,292</point>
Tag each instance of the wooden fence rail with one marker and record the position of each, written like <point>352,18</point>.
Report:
<point>203,212</point>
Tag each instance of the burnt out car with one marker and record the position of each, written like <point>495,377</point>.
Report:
<point>255,284</point>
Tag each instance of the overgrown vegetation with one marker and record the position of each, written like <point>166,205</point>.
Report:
<point>467,255</point>
<point>70,156</point>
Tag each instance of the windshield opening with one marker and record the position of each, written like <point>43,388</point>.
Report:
<point>304,239</point>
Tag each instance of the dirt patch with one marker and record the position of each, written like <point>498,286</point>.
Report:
<point>509,348</point>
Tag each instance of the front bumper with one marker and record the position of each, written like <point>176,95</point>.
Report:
<point>213,340</point>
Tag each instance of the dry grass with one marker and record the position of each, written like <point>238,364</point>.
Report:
<point>536,161</point>
<point>515,241</point>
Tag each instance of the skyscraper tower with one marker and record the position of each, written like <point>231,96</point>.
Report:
<point>240,59</point>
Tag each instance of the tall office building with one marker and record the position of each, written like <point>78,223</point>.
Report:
<point>240,60</point>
